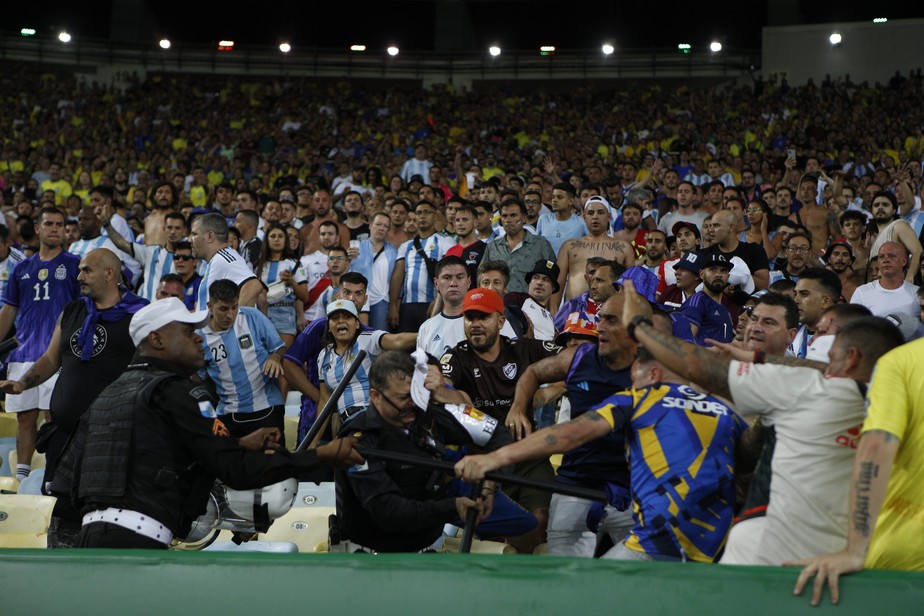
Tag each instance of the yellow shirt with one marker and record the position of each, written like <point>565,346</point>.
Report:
<point>62,189</point>
<point>896,406</point>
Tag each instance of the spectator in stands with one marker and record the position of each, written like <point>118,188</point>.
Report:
<point>375,259</point>
<point>816,290</point>
<point>468,247</point>
<point>889,228</point>
<point>285,280</point>
<point>250,245</point>
<point>91,238</point>
<point>891,292</point>
<point>185,264</point>
<point>839,260</point>
<point>798,250</point>
<point>686,210</point>
<point>583,303</point>
<point>562,223</point>
<point>209,240</point>
<point>171,285</point>
<point>518,247</point>
<point>753,260</point>
<point>317,269</point>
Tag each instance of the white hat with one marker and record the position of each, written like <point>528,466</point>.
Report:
<point>163,312</point>
<point>342,304</point>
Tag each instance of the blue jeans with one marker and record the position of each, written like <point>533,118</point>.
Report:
<point>378,315</point>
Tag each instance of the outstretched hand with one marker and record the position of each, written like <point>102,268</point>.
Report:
<point>826,569</point>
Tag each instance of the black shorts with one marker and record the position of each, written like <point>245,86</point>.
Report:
<point>242,424</point>
<point>532,499</point>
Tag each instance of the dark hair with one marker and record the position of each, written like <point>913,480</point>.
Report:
<point>446,262</point>
<point>354,278</point>
<point>249,193</point>
<point>251,216</point>
<point>873,337</point>
<point>784,301</point>
<point>105,191</point>
<point>467,207</point>
<point>853,215</point>
<point>616,267</point>
<point>596,261</point>
<point>173,192</point>
<point>233,231</point>
<point>388,365</point>
<point>174,214</point>
<point>515,201</point>
<point>182,245</point>
<point>634,205</point>
<point>483,205</point>
<point>843,314</point>
<point>782,286</point>
<point>889,196</point>
<point>171,278</point>
<point>224,290</point>
<point>265,249</point>
<point>329,223</point>
<point>495,265</point>
<point>566,187</point>
<point>338,248</point>
<point>828,281</point>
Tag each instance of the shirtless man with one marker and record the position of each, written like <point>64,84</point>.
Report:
<point>574,253</point>
<point>322,205</point>
<point>819,220</point>
<point>853,223</point>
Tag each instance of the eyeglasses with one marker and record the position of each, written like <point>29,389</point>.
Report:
<point>403,411</point>
<point>183,257</point>
<point>800,249</point>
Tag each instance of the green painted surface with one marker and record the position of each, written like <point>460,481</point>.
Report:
<point>102,582</point>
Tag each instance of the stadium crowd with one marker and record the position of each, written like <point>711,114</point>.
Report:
<point>546,251</point>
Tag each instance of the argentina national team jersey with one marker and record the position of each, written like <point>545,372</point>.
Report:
<point>681,447</point>
<point>81,248</point>
<point>40,290</point>
<point>227,263</point>
<point>332,368</point>
<point>156,262</point>
<point>234,361</point>
<point>418,283</point>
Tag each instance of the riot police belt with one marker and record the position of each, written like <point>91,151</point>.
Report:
<point>136,522</point>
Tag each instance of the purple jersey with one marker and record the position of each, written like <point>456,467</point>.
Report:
<point>40,290</point>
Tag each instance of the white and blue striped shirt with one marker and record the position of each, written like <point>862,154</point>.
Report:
<point>80,248</point>
<point>234,361</point>
<point>418,284</point>
<point>226,263</point>
<point>414,167</point>
<point>332,368</point>
<point>157,262</point>
<point>6,267</point>
<point>270,275</point>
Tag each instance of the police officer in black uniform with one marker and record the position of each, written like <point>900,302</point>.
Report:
<point>150,446</point>
<point>393,507</point>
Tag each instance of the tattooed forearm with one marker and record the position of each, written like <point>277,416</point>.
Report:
<point>551,440</point>
<point>706,369</point>
<point>861,509</point>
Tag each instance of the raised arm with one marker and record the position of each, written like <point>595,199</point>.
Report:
<point>121,243</point>
<point>697,364</point>
<point>549,370</point>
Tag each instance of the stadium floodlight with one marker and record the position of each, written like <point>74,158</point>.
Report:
<point>684,47</point>
<point>835,38</point>
<point>27,32</point>
<point>64,37</point>
<point>392,50</point>
<point>715,47</point>
<point>547,49</point>
<point>608,49</point>
<point>494,50</point>
<point>357,48</point>
<point>225,45</point>
<point>164,43</point>
<point>285,47</point>
<point>880,20</point>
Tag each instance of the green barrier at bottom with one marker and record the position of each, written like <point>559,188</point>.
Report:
<point>101,582</point>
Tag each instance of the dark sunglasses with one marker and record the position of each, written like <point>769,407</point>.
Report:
<point>184,257</point>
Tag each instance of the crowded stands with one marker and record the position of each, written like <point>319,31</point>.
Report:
<point>547,251</point>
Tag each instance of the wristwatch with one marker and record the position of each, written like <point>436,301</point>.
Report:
<point>635,323</point>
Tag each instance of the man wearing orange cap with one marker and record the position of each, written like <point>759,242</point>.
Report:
<point>484,369</point>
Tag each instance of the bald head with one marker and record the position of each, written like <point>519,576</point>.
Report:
<point>100,273</point>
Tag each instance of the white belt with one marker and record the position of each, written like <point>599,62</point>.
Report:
<point>136,522</point>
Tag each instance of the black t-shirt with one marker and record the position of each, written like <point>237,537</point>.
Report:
<point>81,381</point>
<point>491,385</point>
<point>360,233</point>
<point>753,255</point>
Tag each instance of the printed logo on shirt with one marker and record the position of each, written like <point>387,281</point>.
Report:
<point>99,342</point>
<point>551,347</point>
<point>510,370</point>
<point>245,341</point>
<point>476,372</point>
<point>850,439</point>
<point>61,272</point>
<point>25,277</point>
<point>43,274</point>
<point>207,410</point>
<point>219,429</point>
<point>446,358</point>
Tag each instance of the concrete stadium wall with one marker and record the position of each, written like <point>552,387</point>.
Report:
<point>868,52</point>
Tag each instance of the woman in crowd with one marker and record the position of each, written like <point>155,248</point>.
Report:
<point>285,280</point>
<point>758,213</point>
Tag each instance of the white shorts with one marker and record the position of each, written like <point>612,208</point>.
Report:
<point>743,544</point>
<point>35,398</point>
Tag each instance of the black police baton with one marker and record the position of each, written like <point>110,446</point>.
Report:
<point>504,478</point>
<point>7,346</point>
<point>331,405</point>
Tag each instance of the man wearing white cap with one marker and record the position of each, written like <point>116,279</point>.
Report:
<point>147,477</point>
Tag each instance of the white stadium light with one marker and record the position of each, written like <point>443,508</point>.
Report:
<point>835,38</point>
<point>285,47</point>
<point>164,43</point>
<point>392,50</point>
<point>64,37</point>
<point>357,48</point>
<point>880,20</point>
<point>715,47</point>
<point>607,49</point>
<point>494,50</point>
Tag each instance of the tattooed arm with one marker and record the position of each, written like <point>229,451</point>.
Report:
<point>871,471</point>
<point>781,360</point>
<point>554,439</point>
<point>43,369</point>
